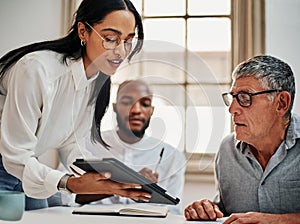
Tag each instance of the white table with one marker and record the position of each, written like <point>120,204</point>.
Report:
<point>63,215</point>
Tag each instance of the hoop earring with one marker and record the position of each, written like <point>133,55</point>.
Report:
<point>82,42</point>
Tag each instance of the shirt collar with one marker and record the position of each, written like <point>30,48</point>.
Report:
<point>78,72</point>
<point>144,144</point>
<point>241,146</point>
<point>293,131</point>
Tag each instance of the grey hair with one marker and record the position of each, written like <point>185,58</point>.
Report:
<point>271,72</point>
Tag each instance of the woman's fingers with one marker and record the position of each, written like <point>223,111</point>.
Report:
<point>95,183</point>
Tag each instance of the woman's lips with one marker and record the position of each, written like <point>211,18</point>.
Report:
<point>115,62</point>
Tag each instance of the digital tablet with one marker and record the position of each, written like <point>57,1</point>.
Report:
<point>123,174</point>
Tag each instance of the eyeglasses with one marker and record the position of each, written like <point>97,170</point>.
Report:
<point>110,42</point>
<point>244,98</point>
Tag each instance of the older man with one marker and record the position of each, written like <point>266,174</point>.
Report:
<point>258,166</point>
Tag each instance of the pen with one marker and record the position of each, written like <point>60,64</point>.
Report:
<point>160,157</point>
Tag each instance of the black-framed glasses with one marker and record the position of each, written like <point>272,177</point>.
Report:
<point>244,98</point>
<point>111,41</point>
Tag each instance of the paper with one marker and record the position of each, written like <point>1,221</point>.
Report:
<point>123,209</point>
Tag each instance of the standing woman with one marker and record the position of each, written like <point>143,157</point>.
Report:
<point>49,92</point>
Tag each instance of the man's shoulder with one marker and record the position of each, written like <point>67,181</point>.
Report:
<point>108,132</point>
<point>228,142</point>
<point>109,135</point>
<point>229,138</point>
<point>296,121</point>
<point>164,144</point>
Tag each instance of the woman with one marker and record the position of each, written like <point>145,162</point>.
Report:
<point>49,91</point>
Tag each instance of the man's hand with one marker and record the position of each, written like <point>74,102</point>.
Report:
<point>203,210</point>
<point>95,183</point>
<point>148,173</point>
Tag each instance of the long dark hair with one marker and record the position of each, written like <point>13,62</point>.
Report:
<point>92,12</point>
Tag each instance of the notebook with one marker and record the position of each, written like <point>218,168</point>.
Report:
<point>138,209</point>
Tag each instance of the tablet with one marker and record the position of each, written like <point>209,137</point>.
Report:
<point>123,174</point>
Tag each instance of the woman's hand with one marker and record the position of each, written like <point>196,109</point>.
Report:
<point>95,183</point>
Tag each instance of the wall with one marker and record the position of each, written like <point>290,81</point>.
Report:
<point>24,22</point>
<point>283,35</point>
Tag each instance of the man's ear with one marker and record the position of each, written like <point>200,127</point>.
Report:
<point>81,31</point>
<point>284,102</point>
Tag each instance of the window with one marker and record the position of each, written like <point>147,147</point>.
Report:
<point>190,49</point>
<point>187,59</point>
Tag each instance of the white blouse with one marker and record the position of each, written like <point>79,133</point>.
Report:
<point>44,105</point>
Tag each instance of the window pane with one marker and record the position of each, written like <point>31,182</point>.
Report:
<point>168,119</point>
<point>209,34</point>
<point>167,124</point>
<point>206,95</point>
<point>138,5</point>
<point>198,70</point>
<point>164,68</point>
<point>208,7</point>
<point>165,30</point>
<point>164,7</point>
<point>126,71</point>
<point>209,67</point>
<point>170,95</point>
<point>205,128</point>
<point>161,72</point>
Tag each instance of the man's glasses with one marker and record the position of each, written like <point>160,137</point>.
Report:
<point>111,41</point>
<point>244,98</point>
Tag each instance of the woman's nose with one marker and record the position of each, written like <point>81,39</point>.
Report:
<point>120,50</point>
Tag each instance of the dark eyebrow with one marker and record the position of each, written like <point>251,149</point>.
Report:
<point>117,32</point>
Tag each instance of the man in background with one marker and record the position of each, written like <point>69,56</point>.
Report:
<point>129,144</point>
<point>258,166</point>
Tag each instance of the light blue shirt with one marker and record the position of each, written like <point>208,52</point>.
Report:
<point>244,186</point>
